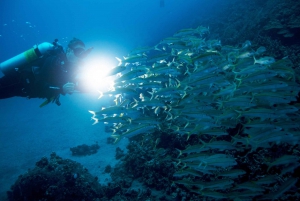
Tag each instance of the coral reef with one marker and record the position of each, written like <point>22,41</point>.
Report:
<point>146,164</point>
<point>150,170</point>
<point>153,165</point>
<point>56,179</point>
<point>119,153</point>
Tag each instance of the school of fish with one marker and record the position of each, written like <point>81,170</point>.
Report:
<point>188,85</point>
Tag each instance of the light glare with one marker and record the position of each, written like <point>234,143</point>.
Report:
<point>94,74</point>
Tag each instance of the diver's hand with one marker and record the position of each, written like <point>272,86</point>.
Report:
<point>69,88</point>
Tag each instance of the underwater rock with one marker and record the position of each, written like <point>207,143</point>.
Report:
<point>83,150</point>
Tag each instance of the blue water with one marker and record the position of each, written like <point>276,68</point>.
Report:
<point>113,26</point>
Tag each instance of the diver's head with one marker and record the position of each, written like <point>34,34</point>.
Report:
<point>76,51</point>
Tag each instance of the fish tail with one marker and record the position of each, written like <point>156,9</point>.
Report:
<point>93,113</point>
<point>117,138</point>
<point>176,128</point>
<point>120,61</point>
<point>235,74</point>
<point>152,94</point>
<point>187,71</point>
<point>116,101</point>
<point>204,143</point>
<point>179,161</point>
<point>239,112</point>
<point>180,153</point>
<point>101,94</point>
<point>95,119</point>
<point>136,103</point>
<point>156,110</point>
<point>234,86</point>
<point>220,104</point>
<point>233,141</point>
<point>254,59</point>
<point>239,80</point>
<point>186,125</point>
<point>188,136</point>
<point>156,48</point>
<point>171,116</point>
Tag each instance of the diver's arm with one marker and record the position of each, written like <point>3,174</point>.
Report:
<point>45,90</point>
<point>82,88</point>
<point>68,88</point>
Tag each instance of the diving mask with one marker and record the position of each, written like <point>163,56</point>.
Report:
<point>81,52</point>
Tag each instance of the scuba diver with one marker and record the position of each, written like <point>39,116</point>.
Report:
<point>44,71</point>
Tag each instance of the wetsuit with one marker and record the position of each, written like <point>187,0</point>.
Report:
<point>43,78</point>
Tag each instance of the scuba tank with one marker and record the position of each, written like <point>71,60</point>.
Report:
<point>20,61</point>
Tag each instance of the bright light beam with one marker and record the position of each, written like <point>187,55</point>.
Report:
<point>94,74</point>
